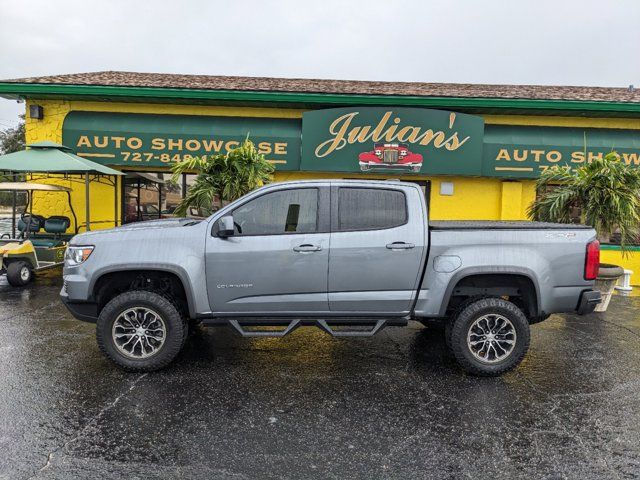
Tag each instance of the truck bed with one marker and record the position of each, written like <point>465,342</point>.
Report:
<point>552,254</point>
<point>502,225</point>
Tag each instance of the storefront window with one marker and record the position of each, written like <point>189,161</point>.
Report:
<point>144,196</point>
<point>173,192</point>
<point>149,196</point>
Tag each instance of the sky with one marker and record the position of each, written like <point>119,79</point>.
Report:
<point>558,42</point>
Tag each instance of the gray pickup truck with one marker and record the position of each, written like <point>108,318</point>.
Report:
<point>350,257</point>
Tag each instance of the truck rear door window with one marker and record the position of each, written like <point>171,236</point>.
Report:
<point>282,212</point>
<point>370,209</point>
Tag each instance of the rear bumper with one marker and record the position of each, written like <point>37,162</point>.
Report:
<point>588,301</point>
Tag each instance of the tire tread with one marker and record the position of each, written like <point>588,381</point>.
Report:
<point>171,314</point>
<point>471,310</point>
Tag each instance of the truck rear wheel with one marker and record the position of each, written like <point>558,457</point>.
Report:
<point>140,331</point>
<point>490,336</point>
<point>19,273</point>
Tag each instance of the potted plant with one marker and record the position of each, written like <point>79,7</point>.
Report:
<point>605,194</point>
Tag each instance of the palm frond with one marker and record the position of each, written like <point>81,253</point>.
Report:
<point>226,176</point>
<point>606,190</point>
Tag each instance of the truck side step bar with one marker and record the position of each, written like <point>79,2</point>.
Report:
<point>264,333</point>
<point>337,330</point>
<point>323,325</point>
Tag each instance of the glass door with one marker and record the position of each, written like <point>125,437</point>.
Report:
<point>144,197</point>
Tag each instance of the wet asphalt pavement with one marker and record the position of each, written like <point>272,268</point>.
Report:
<point>311,406</point>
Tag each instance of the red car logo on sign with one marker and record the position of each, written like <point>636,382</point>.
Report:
<point>390,156</point>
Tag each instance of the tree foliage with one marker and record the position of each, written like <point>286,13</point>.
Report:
<point>224,176</point>
<point>606,190</point>
<point>12,139</point>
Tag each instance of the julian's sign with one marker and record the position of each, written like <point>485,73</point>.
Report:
<point>398,140</point>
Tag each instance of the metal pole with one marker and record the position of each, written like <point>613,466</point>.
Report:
<point>86,193</point>
<point>13,216</point>
<point>138,215</point>
<point>30,199</point>
<point>115,200</point>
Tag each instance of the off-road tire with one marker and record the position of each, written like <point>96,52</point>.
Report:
<point>463,322</point>
<point>448,326</point>
<point>14,273</point>
<point>186,326</point>
<point>185,332</point>
<point>176,329</point>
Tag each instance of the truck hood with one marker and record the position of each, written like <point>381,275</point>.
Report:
<point>146,225</point>
<point>163,223</point>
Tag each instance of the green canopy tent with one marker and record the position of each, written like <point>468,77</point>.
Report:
<point>50,157</point>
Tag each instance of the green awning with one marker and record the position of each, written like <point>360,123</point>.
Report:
<point>50,157</point>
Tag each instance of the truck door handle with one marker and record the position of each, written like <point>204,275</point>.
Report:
<point>307,247</point>
<point>400,246</point>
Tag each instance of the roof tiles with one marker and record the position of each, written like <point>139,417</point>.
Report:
<point>349,87</point>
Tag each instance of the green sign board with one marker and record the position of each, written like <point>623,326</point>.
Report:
<point>398,140</point>
<point>367,139</point>
<point>525,152</point>
<point>135,140</point>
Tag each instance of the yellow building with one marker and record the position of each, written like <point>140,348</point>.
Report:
<point>475,149</point>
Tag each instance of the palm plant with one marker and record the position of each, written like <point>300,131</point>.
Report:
<point>223,176</point>
<point>606,190</point>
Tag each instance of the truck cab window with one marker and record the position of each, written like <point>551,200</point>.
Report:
<point>282,212</point>
<point>371,209</point>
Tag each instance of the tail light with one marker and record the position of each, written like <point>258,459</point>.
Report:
<point>592,260</point>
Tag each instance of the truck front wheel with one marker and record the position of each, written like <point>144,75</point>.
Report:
<point>140,331</point>
<point>490,336</point>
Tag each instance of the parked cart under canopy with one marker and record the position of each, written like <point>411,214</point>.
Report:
<point>50,157</point>
<point>29,188</point>
<point>42,241</point>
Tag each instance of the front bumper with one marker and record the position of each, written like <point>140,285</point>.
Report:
<point>390,166</point>
<point>588,301</point>
<point>84,311</point>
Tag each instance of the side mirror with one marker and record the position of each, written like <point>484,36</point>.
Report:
<point>226,226</point>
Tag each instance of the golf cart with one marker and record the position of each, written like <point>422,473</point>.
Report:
<point>39,243</point>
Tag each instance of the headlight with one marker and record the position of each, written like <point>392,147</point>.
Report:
<point>75,255</point>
